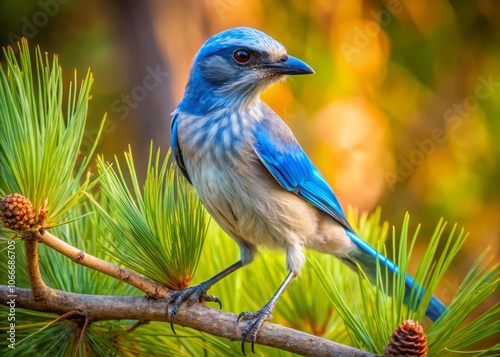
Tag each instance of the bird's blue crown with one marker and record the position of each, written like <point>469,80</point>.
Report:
<point>239,37</point>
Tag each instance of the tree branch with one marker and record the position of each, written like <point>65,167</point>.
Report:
<point>40,290</point>
<point>197,316</point>
<point>80,257</point>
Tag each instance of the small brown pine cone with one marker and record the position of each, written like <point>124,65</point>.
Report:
<point>17,212</point>
<point>408,340</point>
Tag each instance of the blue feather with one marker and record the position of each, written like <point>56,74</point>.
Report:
<point>222,116</point>
<point>295,172</point>
<point>176,150</point>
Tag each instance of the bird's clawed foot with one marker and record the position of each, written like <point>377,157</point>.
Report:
<point>256,320</point>
<point>192,294</point>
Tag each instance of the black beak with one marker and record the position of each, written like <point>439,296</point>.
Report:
<point>289,65</point>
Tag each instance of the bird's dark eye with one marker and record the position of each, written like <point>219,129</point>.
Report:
<point>241,56</point>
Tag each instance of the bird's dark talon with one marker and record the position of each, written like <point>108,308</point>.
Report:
<point>253,326</point>
<point>213,299</point>
<point>192,294</point>
<point>240,316</point>
<point>246,315</point>
<point>172,324</point>
<point>243,339</point>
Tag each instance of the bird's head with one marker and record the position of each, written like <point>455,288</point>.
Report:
<point>234,66</point>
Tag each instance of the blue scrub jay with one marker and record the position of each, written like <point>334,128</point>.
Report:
<point>251,173</point>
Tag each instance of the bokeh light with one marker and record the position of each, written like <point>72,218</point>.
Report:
<point>403,110</point>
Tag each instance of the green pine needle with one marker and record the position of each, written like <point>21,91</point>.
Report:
<point>371,316</point>
<point>481,283</point>
<point>39,143</point>
<point>157,231</point>
<point>34,328</point>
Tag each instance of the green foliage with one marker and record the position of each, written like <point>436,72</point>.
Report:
<point>39,141</point>
<point>371,316</point>
<point>158,231</point>
<point>451,333</point>
<point>34,331</point>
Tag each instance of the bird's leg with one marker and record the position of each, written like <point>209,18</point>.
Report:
<point>259,317</point>
<point>198,292</point>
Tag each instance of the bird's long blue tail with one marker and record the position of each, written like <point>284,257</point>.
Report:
<point>367,258</point>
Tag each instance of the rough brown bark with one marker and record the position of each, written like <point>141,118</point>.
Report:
<point>80,257</point>
<point>38,287</point>
<point>197,316</point>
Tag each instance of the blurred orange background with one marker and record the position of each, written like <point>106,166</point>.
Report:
<point>403,111</point>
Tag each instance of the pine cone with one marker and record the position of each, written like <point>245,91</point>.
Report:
<point>408,340</point>
<point>17,212</point>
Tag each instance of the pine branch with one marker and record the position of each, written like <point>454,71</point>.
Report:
<point>197,316</point>
<point>38,286</point>
<point>78,256</point>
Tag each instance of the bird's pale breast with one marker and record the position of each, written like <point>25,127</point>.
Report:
<point>241,195</point>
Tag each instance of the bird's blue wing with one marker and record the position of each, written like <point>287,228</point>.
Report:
<point>295,172</point>
<point>176,150</point>
<point>290,166</point>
